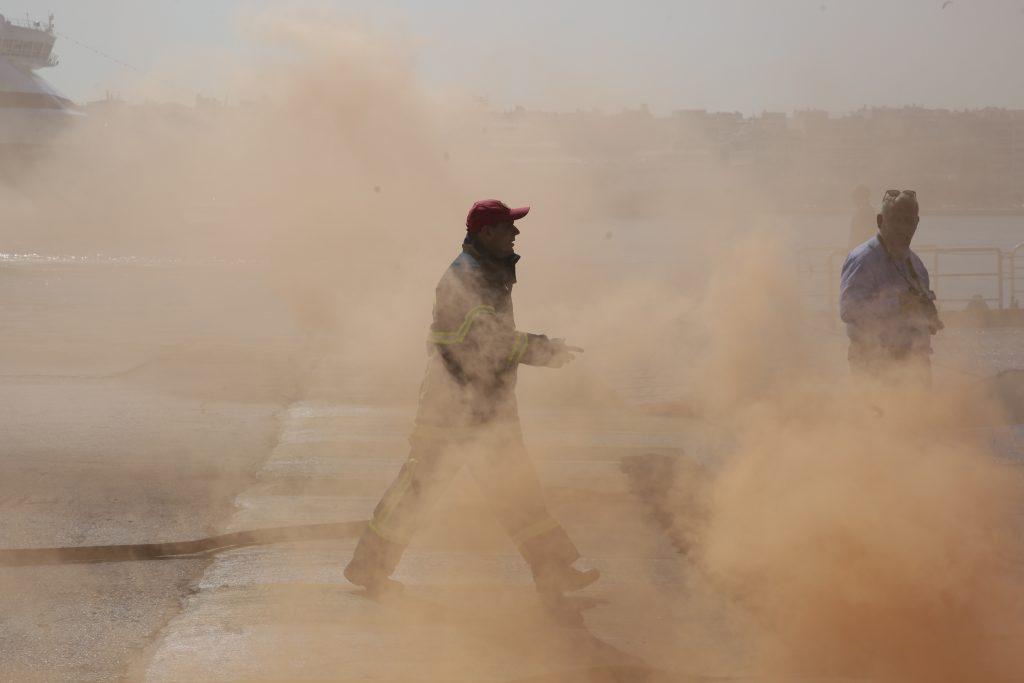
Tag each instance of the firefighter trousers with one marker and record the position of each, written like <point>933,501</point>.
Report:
<point>499,463</point>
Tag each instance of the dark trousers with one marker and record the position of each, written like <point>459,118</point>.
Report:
<point>498,461</point>
<point>884,364</point>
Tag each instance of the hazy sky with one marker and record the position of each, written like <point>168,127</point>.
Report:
<point>746,55</point>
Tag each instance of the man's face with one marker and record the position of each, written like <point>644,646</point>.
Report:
<point>500,239</point>
<point>898,225</point>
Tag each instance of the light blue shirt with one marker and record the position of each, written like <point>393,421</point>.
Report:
<point>870,290</point>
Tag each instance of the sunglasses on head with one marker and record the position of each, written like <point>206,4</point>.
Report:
<point>897,193</point>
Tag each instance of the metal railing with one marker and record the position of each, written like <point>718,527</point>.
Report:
<point>1016,283</point>
<point>1000,274</point>
<point>30,23</point>
<point>938,277</point>
<point>816,266</point>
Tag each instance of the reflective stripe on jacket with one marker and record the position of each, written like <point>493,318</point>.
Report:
<point>473,344</point>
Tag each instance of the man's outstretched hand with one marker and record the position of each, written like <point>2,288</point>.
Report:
<point>562,353</point>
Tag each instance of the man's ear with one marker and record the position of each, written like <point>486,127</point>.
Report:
<point>878,220</point>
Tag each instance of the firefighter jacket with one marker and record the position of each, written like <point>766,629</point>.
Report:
<point>473,346</point>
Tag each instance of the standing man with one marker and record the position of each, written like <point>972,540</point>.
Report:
<point>885,299</point>
<point>468,416</point>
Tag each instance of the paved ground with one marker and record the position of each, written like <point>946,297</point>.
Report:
<point>115,438</point>
<point>128,413</point>
<point>285,612</point>
<point>109,462</point>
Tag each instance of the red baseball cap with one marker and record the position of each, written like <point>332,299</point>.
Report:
<point>489,212</point>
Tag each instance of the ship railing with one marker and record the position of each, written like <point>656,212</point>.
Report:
<point>997,276</point>
<point>29,23</point>
<point>817,268</point>
<point>1016,269</point>
<point>940,277</point>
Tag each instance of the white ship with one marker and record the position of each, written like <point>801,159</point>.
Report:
<point>32,112</point>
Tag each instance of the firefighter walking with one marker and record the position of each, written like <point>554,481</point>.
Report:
<point>468,416</point>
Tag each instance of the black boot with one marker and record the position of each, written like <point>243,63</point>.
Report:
<point>551,557</point>
<point>372,563</point>
<point>556,579</point>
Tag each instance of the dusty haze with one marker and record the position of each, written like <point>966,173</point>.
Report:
<point>863,529</point>
<point>723,55</point>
